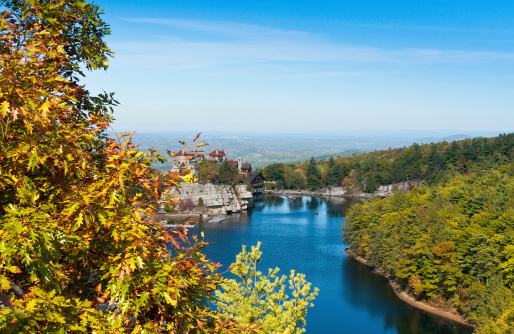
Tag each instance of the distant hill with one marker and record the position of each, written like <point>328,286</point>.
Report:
<point>264,149</point>
<point>448,139</point>
<point>348,153</point>
<point>432,163</point>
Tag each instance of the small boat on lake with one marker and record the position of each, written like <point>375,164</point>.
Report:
<point>288,197</point>
<point>218,219</point>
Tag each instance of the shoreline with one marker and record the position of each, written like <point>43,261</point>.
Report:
<point>182,216</point>
<point>382,191</point>
<point>318,193</point>
<point>410,300</point>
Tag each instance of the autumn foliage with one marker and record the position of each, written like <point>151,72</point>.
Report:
<point>78,251</point>
<point>450,244</point>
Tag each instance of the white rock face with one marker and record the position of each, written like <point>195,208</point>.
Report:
<point>219,198</point>
<point>383,191</point>
<point>245,196</point>
<point>334,191</point>
<point>387,190</point>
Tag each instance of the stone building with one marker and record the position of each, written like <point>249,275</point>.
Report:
<point>217,156</point>
<point>186,159</point>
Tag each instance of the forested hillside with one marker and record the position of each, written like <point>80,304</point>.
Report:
<point>450,242</point>
<point>429,162</point>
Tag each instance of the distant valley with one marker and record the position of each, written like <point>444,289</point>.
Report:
<point>264,149</point>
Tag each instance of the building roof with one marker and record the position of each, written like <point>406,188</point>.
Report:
<point>220,153</point>
<point>183,153</point>
<point>246,165</point>
<point>232,162</point>
<point>253,175</point>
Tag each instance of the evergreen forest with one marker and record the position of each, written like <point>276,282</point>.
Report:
<point>432,163</point>
<point>450,242</point>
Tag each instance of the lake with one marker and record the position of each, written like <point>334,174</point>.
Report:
<point>352,299</point>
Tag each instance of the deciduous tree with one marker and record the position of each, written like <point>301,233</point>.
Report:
<point>78,251</point>
<point>264,300</point>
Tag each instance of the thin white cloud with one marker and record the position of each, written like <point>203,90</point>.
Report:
<point>429,28</point>
<point>326,74</point>
<point>229,29</point>
<point>250,44</point>
<point>184,54</point>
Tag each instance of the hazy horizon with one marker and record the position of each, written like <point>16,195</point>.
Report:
<point>262,149</point>
<point>344,133</point>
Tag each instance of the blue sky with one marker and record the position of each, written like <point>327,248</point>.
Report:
<point>310,66</point>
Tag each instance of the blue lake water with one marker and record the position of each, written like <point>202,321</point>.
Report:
<point>352,299</point>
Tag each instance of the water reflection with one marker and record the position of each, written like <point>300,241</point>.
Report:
<point>334,205</point>
<point>370,292</point>
<point>258,204</point>
<point>352,299</point>
<point>295,204</point>
<point>240,217</point>
<point>273,200</point>
<point>313,203</point>
<point>338,206</point>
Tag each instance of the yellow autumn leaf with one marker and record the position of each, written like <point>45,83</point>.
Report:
<point>44,108</point>
<point>43,32</point>
<point>189,178</point>
<point>4,108</point>
<point>169,299</point>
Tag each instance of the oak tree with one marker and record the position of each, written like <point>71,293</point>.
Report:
<point>79,251</point>
<point>264,300</point>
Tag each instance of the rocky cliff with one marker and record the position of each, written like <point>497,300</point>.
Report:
<point>383,191</point>
<point>387,190</point>
<point>217,199</point>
